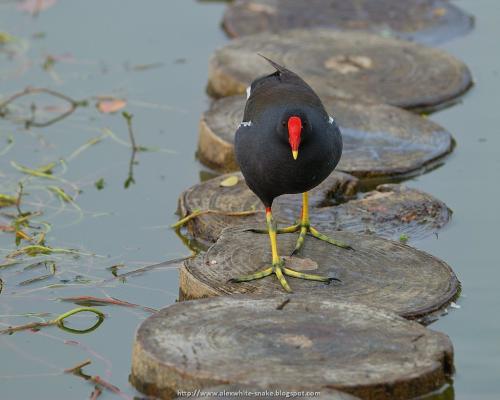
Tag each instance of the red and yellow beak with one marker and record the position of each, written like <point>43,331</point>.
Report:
<point>294,131</point>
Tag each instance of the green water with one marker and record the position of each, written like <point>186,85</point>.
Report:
<point>155,55</point>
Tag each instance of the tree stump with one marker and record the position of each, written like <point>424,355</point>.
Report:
<point>345,65</point>
<point>378,272</point>
<point>425,21</point>
<point>379,140</point>
<point>232,392</point>
<point>390,211</point>
<point>307,344</point>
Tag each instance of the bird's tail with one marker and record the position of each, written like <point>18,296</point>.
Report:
<point>278,67</point>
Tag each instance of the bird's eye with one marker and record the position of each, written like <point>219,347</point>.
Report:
<point>305,123</point>
<point>283,123</point>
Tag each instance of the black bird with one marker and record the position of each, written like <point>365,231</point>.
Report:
<point>287,143</point>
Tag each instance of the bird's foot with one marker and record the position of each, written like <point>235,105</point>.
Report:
<point>290,229</point>
<point>320,236</point>
<point>280,271</point>
<point>304,229</point>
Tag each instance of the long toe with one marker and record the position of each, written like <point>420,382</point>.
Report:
<point>300,240</point>
<point>309,277</point>
<point>254,276</point>
<point>289,229</point>
<point>320,236</point>
<point>281,278</point>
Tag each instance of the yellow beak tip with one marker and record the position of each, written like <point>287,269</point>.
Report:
<point>295,154</point>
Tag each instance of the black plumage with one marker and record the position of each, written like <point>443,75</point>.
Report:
<point>262,143</point>
<point>287,143</point>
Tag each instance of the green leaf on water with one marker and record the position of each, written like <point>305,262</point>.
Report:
<point>40,173</point>
<point>47,168</point>
<point>403,238</point>
<point>130,180</point>
<point>49,63</point>
<point>6,38</point>
<point>61,194</point>
<point>99,184</point>
<point>114,269</point>
<point>7,200</point>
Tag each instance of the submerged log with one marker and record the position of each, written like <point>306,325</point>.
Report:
<point>378,272</point>
<point>305,344</point>
<point>379,140</point>
<point>390,211</point>
<point>345,65</point>
<point>425,21</point>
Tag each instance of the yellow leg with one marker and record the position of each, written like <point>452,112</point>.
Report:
<point>304,228</point>
<point>277,263</point>
<point>278,267</point>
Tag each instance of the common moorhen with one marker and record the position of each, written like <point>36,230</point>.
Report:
<point>282,116</point>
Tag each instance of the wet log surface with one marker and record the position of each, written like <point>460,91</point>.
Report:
<point>345,65</point>
<point>390,211</point>
<point>306,344</point>
<point>378,272</point>
<point>379,140</point>
<point>425,21</point>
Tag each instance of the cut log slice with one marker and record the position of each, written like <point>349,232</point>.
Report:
<point>378,271</point>
<point>379,140</point>
<point>390,211</point>
<point>345,65</point>
<point>424,21</point>
<point>307,344</point>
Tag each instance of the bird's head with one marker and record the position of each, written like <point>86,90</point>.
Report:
<point>293,128</point>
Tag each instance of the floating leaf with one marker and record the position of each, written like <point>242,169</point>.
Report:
<point>403,238</point>
<point>110,105</point>
<point>99,184</point>
<point>33,172</point>
<point>37,279</point>
<point>7,200</point>
<point>6,38</point>
<point>90,301</point>
<point>130,180</point>
<point>230,181</point>
<point>23,235</point>
<point>6,228</point>
<point>48,63</point>
<point>61,194</point>
<point>47,168</point>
